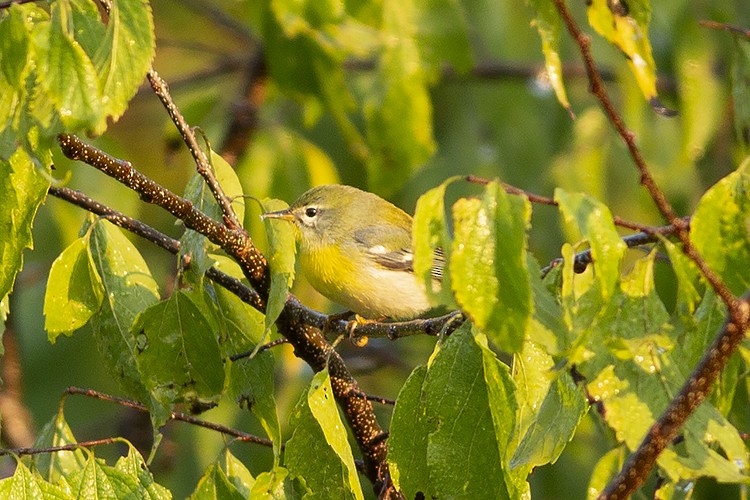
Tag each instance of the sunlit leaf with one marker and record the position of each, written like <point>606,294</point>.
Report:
<point>319,450</point>
<point>133,465</point>
<point>101,481</point>
<point>74,290</point>
<point>547,23</point>
<point>72,82</point>
<point>277,484</point>
<point>720,228</point>
<point>625,25</point>
<point>488,264</point>
<point>129,289</point>
<point>23,187</point>
<point>27,484</point>
<point>53,466</point>
<point>430,232</point>
<point>594,222</point>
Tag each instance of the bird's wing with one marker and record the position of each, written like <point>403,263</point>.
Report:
<point>398,254</point>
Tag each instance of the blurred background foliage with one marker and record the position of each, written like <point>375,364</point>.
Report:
<point>490,114</point>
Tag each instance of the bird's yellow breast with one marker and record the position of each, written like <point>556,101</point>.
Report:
<point>363,287</point>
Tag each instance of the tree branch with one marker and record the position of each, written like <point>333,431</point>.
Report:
<point>175,415</point>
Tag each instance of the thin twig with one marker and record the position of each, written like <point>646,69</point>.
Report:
<point>727,27</point>
<point>175,415</point>
<point>161,89</point>
<point>264,347</point>
<point>63,447</point>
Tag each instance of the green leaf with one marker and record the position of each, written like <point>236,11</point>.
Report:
<point>687,277</point>
<point>215,484</point>
<point>129,289</point>
<point>430,232</point>
<point>465,438</point>
<point>555,423</point>
<point>101,481</point>
<point>605,469</point>
<point>639,366</point>
<point>281,241</point>
<point>720,228</point>
<point>503,406</point>
<point>24,187</point>
<point>178,353</point>
<point>54,466</point>
<point>276,485</point>
<point>14,47</point>
<point>442,35</point>
<point>25,484</point>
<point>124,54</point>
<point>488,266</point>
<point>74,290</point>
<point>547,22</point>
<point>133,465</point>
<point>319,450</point>
<point>594,222</point>
<point>252,380</point>
<point>625,25</point>
<point>237,473</point>
<point>71,81</point>
<point>407,440</point>
<point>398,110</point>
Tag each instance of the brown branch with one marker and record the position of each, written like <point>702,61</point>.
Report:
<point>726,27</point>
<point>161,89</point>
<point>55,449</point>
<point>175,415</point>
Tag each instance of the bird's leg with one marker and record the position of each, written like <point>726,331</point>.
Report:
<point>351,327</point>
<point>334,318</point>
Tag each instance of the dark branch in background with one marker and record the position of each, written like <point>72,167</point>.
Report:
<point>640,463</point>
<point>18,426</point>
<point>175,415</point>
<point>6,5</point>
<point>727,27</point>
<point>583,259</point>
<point>245,110</point>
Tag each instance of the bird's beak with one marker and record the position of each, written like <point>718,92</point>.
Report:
<point>281,214</point>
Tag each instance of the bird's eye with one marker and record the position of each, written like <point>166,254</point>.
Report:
<point>311,212</point>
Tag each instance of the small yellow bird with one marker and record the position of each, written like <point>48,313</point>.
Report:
<point>355,248</point>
